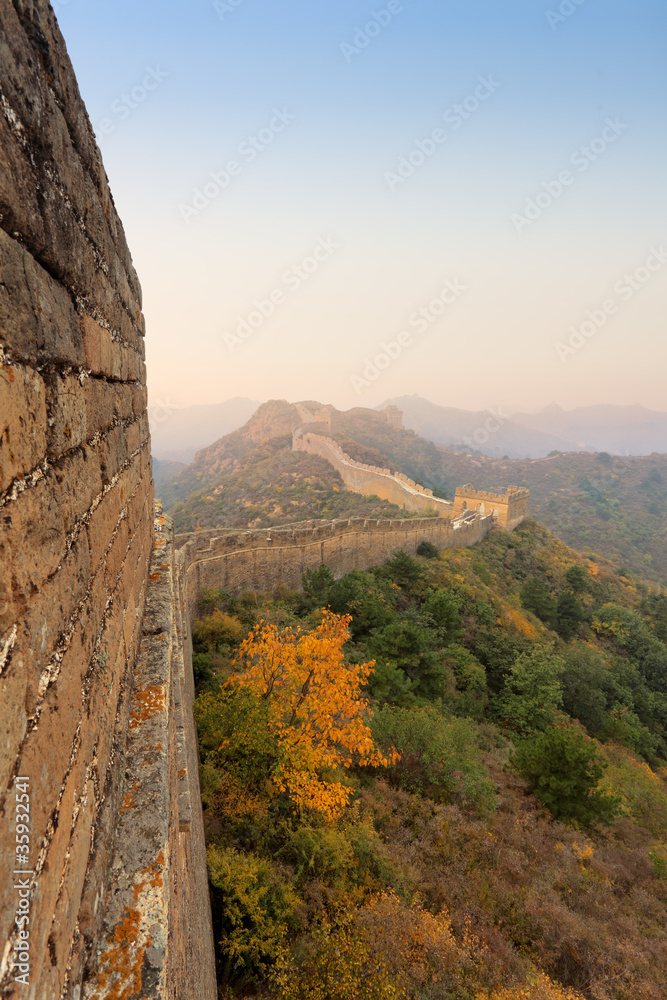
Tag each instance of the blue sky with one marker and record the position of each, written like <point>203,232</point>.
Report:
<point>318,106</point>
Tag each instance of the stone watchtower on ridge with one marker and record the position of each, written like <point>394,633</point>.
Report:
<point>509,508</point>
<point>393,416</point>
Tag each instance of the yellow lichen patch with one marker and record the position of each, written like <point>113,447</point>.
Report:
<point>148,701</point>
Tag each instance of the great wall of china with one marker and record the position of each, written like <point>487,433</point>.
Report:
<point>509,509</point>
<point>103,890</point>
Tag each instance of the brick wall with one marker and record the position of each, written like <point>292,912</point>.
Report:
<point>366,479</point>
<point>76,517</point>
<point>265,559</point>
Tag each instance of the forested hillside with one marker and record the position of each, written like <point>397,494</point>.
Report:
<point>616,506</point>
<point>449,784</point>
<point>252,478</point>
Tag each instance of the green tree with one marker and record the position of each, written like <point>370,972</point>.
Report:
<point>577,579</point>
<point>563,769</point>
<point>536,598</point>
<point>532,693</point>
<point>427,550</point>
<point>569,616</point>
<point>317,586</point>
<point>401,569</point>
<point>443,609</point>
<point>440,757</point>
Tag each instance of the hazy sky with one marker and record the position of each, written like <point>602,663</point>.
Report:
<point>347,200</point>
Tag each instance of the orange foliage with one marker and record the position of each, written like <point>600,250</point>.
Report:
<point>537,987</point>
<point>520,622</point>
<point>317,711</point>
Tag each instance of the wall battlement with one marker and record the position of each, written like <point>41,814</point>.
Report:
<point>509,508</point>
<point>270,558</point>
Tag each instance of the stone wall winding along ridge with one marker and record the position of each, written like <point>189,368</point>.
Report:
<point>263,559</point>
<point>96,685</point>
<point>367,479</point>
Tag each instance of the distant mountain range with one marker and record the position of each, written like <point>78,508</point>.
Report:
<point>178,434</point>
<point>619,430</point>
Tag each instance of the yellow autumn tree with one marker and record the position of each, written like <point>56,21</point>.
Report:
<point>317,711</point>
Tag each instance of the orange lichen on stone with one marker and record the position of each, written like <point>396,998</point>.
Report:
<point>128,799</point>
<point>182,772</point>
<point>148,702</point>
<point>118,960</point>
<point>154,576</point>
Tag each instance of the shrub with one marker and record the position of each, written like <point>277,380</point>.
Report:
<point>471,696</point>
<point>340,964</point>
<point>427,550</point>
<point>253,906</point>
<point>440,757</point>
<point>216,630</point>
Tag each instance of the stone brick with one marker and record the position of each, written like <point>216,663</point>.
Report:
<point>78,482</point>
<point>74,867</point>
<point>102,524</point>
<point>68,426</point>
<point>37,318</point>
<point>32,537</point>
<point>98,347</point>
<point>49,613</point>
<point>22,422</point>
<point>112,453</point>
<point>13,683</point>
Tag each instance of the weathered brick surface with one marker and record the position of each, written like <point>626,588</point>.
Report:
<point>157,941</point>
<point>37,317</point>
<point>48,195</point>
<point>22,422</point>
<point>76,540</point>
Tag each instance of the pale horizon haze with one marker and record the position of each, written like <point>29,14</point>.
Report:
<point>340,166</point>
